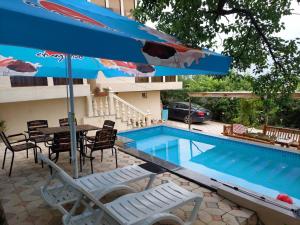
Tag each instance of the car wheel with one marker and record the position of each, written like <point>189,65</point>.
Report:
<point>186,119</point>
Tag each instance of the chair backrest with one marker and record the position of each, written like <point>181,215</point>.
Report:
<point>65,122</point>
<point>108,124</point>
<point>5,140</point>
<point>71,185</point>
<point>61,141</point>
<point>105,138</point>
<point>33,125</point>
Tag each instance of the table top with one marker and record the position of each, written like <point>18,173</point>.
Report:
<point>55,130</point>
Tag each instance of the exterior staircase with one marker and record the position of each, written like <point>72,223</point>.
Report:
<point>107,105</point>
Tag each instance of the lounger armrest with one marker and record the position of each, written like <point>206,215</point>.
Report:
<point>162,217</point>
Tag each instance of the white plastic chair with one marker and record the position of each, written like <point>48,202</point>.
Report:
<point>98,184</point>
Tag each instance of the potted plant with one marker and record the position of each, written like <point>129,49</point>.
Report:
<point>98,93</point>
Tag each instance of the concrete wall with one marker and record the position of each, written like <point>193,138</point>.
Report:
<point>16,114</point>
<point>151,103</point>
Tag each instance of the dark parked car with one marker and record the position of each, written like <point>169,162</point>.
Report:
<point>180,111</point>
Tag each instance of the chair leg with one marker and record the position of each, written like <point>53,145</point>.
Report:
<point>116,156</point>
<point>4,158</point>
<point>91,159</point>
<point>56,157</point>
<point>70,157</point>
<point>83,156</point>
<point>12,162</point>
<point>101,155</point>
<point>49,154</point>
<point>27,153</point>
<point>112,151</point>
<point>80,162</point>
<point>35,154</point>
<point>38,147</point>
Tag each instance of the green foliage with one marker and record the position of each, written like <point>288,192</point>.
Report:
<point>252,112</point>
<point>249,28</point>
<point>288,115</point>
<point>249,112</point>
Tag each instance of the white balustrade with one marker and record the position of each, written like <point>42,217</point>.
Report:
<point>106,107</point>
<point>114,105</point>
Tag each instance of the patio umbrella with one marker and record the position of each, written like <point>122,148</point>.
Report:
<point>65,25</point>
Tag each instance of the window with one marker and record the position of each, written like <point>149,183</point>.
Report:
<point>115,5</point>
<point>128,6</point>
<point>182,106</point>
<point>63,81</point>
<point>142,80</point>
<point>99,2</point>
<point>22,81</point>
<point>170,78</point>
<point>156,79</point>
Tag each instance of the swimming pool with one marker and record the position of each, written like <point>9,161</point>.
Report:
<point>264,170</point>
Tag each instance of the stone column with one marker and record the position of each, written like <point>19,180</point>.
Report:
<point>89,104</point>
<point>111,105</point>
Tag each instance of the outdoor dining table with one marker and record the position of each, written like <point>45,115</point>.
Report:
<point>80,129</point>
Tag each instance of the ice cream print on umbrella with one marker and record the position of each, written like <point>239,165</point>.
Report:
<point>156,47</point>
<point>170,53</point>
<point>20,61</point>
<point>129,68</point>
<point>10,66</point>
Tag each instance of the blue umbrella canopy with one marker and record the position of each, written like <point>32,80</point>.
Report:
<point>20,61</point>
<point>82,28</point>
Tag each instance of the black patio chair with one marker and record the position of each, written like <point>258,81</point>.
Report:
<point>61,143</point>
<point>65,122</point>
<point>35,135</point>
<point>104,139</point>
<point>17,146</point>
<point>107,124</point>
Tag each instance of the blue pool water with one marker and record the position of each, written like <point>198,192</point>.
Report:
<point>260,169</point>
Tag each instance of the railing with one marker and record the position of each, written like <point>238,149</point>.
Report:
<point>111,104</point>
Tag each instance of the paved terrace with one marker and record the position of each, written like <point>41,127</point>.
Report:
<point>22,203</point>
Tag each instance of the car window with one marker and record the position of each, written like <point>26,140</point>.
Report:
<point>182,106</point>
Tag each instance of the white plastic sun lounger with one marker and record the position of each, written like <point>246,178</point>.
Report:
<point>143,208</point>
<point>98,184</point>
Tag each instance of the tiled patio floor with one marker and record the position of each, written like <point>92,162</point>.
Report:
<point>22,203</point>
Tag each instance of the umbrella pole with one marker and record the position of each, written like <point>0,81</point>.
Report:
<point>190,106</point>
<point>71,118</point>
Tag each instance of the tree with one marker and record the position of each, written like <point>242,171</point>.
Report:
<point>250,30</point>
